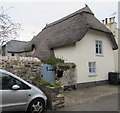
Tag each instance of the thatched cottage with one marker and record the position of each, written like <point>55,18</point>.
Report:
<point>79,38</point>
<point>14,48</point>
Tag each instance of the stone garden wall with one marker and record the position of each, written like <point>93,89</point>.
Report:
<point>68,78</point>
<point>69,75</point>
<point>24,67</point>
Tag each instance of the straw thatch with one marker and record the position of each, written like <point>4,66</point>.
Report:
<point>15,46</point>
<point>66,31</point>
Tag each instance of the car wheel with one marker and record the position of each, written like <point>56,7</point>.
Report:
<point>36,106</point>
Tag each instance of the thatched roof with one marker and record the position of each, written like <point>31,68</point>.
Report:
<point>66,31</point>
<point>15,46</point>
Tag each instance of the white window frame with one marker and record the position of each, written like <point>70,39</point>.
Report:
<point>92,68</point>
<point>99,47</point>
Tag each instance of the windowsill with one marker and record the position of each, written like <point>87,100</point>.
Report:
<point>101,55</point>
<point>92,74</point>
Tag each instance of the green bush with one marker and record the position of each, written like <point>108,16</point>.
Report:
<point>54,61</point>
<point>64,67</point>
<point>38,79</point>
<point>73,66</point>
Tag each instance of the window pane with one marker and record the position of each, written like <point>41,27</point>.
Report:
<point>97,41</point>
<point>89,64</point>
<point>22,85</point>
<point>18,83</point>
<point>93,70</point>
<point>97,50</point>
<point>96,45</point>
<point>7,81</point>
<point>99,47</point>
<point>90,70</point>
<point>100,50</point>
<point>93,64</point>
<point>100,42</point>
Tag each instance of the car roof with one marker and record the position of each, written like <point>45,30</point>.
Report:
<point>2,70</point>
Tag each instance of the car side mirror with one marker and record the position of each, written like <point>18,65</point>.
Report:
<point>15,87</point>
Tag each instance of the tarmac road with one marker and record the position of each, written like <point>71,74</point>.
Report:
<point>105,103</point>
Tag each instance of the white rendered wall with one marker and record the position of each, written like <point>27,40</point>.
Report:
<point>83,52</point>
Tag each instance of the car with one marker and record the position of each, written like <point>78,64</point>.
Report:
<point>19,95</point>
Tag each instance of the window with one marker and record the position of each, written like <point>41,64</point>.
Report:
<point>8,81</point>
<point>92,68</point>
<point>99,48</point>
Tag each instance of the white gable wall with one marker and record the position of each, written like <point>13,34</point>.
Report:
<point>83,52</point>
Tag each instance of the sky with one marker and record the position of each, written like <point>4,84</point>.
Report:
<point>34,15</point>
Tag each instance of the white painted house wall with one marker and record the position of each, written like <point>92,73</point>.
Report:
<point>83,52</point>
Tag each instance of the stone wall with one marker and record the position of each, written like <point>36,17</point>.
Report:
<point>69,75</point>
<point>24,67</point>
<point>55,96</point>
<point>68,78</point>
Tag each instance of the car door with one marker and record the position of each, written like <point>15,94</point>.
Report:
<point>13,100</point>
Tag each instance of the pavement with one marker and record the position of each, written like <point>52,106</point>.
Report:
<point>79,96</point>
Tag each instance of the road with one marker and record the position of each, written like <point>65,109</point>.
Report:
<point>106,103</point>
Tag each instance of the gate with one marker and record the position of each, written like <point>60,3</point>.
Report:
<point>47,73</point>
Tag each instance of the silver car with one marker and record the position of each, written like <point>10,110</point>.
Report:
<point>19,95</point>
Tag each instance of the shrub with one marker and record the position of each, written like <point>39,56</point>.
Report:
<point>73,66</point>
<point>64,67</point>
<point>54,61</point>
<point>38,79</point>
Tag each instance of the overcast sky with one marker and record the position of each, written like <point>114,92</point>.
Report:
<point>34,15</point>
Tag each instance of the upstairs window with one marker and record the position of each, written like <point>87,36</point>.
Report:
<point>99,47</point>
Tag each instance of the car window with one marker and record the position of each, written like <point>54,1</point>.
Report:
<point>21,84</point>
<point>8,81</point>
